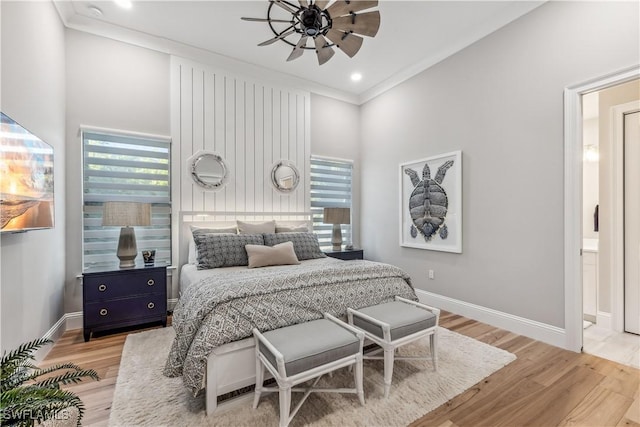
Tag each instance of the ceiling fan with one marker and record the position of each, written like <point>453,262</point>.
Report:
<point>339,22</point>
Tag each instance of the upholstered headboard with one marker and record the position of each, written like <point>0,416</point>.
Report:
<point>228,219</point>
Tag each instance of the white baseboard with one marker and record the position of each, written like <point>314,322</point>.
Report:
<point>530,328</point>
<point>520,325</point>
<point>74,320</point>
<point>70,321</point>
<point>604,320</point>
<point>66,322</point>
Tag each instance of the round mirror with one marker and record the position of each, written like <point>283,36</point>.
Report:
<point>285,176</point>
<point>209,170</point>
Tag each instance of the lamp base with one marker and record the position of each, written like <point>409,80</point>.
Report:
<point>336,237</point>
<point>127,248</point>
<point>125,263</point>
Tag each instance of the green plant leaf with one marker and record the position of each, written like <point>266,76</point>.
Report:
<point>23,400</point>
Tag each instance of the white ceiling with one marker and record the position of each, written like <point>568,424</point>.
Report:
<point>413,35</point>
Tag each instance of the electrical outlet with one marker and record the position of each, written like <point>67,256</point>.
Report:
<point>431,275</point>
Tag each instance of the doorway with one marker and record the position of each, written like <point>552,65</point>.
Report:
<point>610,266</point>
<point>631,146</point>
<point>574,220</point>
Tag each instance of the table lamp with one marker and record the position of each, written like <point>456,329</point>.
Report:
<point>336,216</point>
<point>127,215</point>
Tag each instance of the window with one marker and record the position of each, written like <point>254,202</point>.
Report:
<point>125,168</point>
<point>330,188</point>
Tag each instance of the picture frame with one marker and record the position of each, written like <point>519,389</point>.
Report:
<point>432,219</point>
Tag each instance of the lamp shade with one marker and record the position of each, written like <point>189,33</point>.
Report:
<point>337,216</point>
<point>126,214</point>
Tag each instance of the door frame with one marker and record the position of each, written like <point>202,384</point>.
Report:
<point>616,258</point>
<point>573,198</point>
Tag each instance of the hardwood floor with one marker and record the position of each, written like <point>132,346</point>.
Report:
<point>545,386</point>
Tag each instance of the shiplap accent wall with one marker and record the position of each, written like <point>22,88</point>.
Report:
<point>251,125</point>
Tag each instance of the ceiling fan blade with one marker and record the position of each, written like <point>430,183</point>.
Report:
<point>366,24</point>
<point>266,20</point>
<point>342,7</point>
<point>275,39</point>
<point>346,42</point>
<point>324,51</point>
<point>286,6</point>
<point>298,50</point>
<point>303,3</point>
<point>321,3</point>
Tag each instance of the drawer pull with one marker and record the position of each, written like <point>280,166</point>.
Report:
<point>150,305</point>
<point>102,287</point>
<point>151,282</point>
<point>103,312</point>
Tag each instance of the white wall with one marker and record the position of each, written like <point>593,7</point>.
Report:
<point>501,102</point>
<point>335,132</point>
<point>112,85</point>
<point>33,94</point>
<point>251,125</point>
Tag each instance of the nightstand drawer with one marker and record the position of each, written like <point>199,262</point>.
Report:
<point>105,312</point>
<point>108,286</point>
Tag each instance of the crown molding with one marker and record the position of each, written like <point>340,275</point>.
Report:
<point>82,23</point>
<point>78,22</point>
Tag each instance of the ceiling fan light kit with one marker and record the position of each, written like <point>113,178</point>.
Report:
<point>336,25</point>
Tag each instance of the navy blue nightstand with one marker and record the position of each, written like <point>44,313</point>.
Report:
<point>346,254</point>
<point>116,298</point>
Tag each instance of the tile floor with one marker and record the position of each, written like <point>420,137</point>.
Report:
<point>617,346</point>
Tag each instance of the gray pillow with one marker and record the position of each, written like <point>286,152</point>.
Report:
<point>193,251</point>
<point>291,228</point>
<point>256,227</point>
<point>305,245</point>
<point>224,250</point>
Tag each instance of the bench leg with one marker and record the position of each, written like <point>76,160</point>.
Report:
<point>433,343</point>
<point>388,370</point>
<point>359,378</point>
<point>259,382</point>
<point>285,405</point>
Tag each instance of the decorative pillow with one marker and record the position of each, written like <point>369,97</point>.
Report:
<point>193,251</point>
<point>291,228</point>
<point>305,245</point>
<point>263,256</point>
<point>256,227</point>
<point>224,250</point>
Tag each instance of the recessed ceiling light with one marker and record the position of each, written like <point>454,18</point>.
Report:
<point>356,77</point>
<point>95,11</point>
<point>125,4</point>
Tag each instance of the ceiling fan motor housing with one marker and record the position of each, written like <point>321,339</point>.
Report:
<point>311,21</point>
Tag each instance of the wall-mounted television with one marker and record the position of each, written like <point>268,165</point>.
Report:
<point>26,179</point>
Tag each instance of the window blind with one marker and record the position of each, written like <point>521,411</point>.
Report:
<point>125,168</point>
<point>330,188</point>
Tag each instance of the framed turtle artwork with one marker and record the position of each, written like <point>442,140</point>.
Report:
<point>431,203</point>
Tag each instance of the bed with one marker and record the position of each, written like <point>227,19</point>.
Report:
<point>218,307</point>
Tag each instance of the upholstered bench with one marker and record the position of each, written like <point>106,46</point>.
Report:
<point>298,353</point>
<point>394,324</point>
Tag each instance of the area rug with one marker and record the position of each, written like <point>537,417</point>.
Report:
<point>144,397</point>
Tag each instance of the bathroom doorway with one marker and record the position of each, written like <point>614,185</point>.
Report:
<point>611,222</point>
